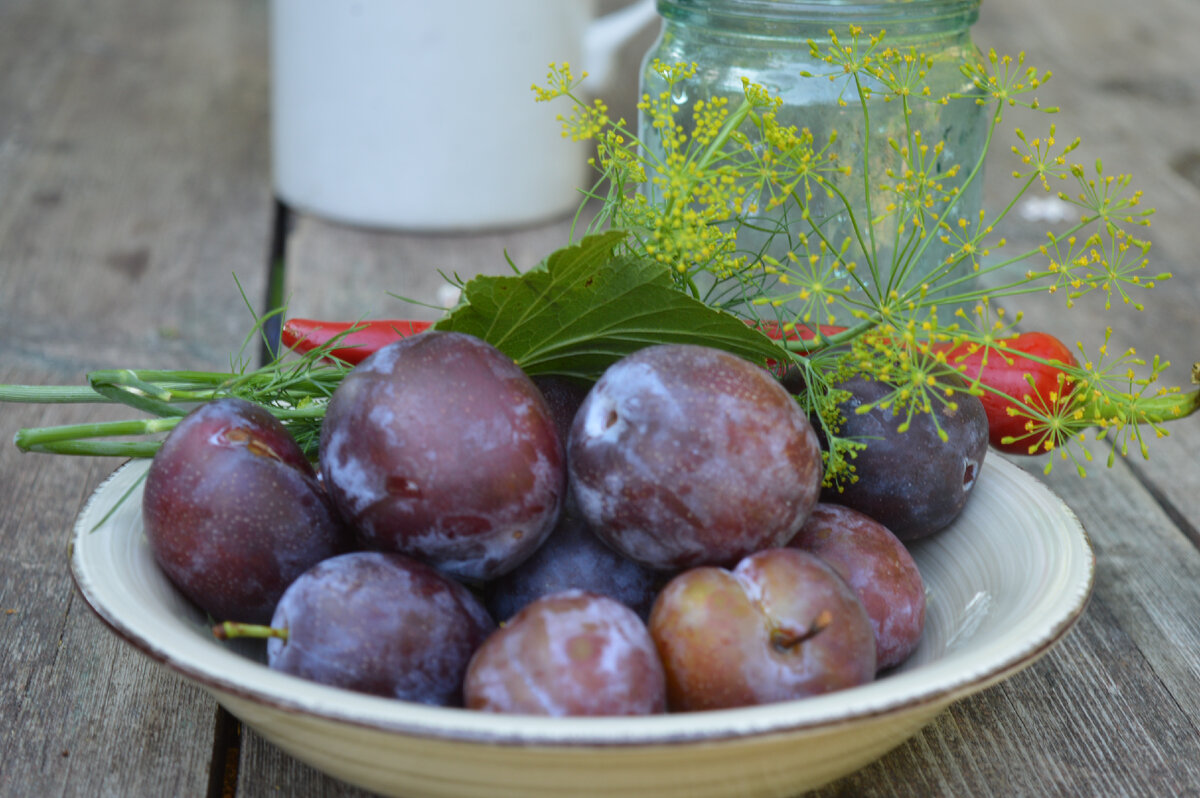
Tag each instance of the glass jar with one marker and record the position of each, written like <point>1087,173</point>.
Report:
<point>768,43</point>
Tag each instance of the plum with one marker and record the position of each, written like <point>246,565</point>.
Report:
<point>569,653</point>
<point>912,482</point>
<point>573,557</point>
<point>440,447</point>
<point>563,396</point>
<point>781,625</point>
<point>684,455</point>
<point>879,568</point>
<point>233,511</point>
<point>379,623</point>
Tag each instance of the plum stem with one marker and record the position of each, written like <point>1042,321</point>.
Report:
<point>787,639</point>
<point>230,630</point>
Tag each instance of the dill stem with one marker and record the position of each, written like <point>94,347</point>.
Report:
<point>80,438</point>
<point>51,394</point>
<point>170,381</point>
<point>828,341</point>
<point>102,448</point>
<point>820,233</point>
<point>866,176</point>
<point>971,178</point>
<point>1152,410</point>
<point>902,262</point>
<point>1018,286</point>
<point>710,154</point>
<point>32,438</point>
<point>731,124</point>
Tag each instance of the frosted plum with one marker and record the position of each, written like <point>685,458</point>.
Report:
<point>380,623</point>
<point>573,557</point>
<point>684,455</point>
<point>570,653</point>
<point>912,482</point>
<point>563,398</point>
<point>234,512</point>
<point>439,446</point>
<point>879,568</point>
<point>781,625</point>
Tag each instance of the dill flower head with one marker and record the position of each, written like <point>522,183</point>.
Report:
<point>868,237</point>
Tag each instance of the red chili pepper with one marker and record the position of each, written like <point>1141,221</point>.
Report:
<point>800,332</point>
<point>1007,376</point>
<point>790,376</point>
<point>359,338</point>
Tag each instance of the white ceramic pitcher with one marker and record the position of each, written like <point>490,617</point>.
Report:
<point>418,114</point>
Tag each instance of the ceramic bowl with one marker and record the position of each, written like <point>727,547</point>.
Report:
<point>1004,584</point>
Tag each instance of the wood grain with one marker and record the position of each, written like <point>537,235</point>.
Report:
<point>133,174</point>
<point>375,272</point>
<point>132,185</point>
<point>74,695</point>
<point>1124,79</point>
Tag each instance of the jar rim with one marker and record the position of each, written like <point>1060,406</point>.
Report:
<point>824,11</point>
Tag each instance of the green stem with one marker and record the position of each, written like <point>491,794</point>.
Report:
<point>33,438</point>
<point>1022,286</point>
<point>230,630</point>
<point>827,341</point>
<point>294,413</point>
<point>1152,410</point>
<point>79,448</point>
<point>819,231</point>
<point>971,178</point>
<point>77,438</point>
<point>173,382</point>
<point>866,162</point>
<point>126,387</point>
<point>902,257</point>
<point>711,152</point>
<point>731,124</point>
<point>213,378</point>
<point>51,394</point>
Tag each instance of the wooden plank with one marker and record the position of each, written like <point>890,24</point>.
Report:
<point>1147,569</point>
<point>133,175</point>
<point>339,272</point>
<point>132,184</point>
<point>75,695</point>
<point>267,771</point>
<point>1118,82</point>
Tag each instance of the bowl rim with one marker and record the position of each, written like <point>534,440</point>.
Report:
<point>932,685</point>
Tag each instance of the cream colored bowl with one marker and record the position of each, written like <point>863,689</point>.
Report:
<point>1004,584</point>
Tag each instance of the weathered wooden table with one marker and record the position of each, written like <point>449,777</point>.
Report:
<point>134,184</point>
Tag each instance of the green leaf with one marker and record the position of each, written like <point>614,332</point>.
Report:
<point>589,307</point>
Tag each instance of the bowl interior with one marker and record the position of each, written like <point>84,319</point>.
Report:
<point>1003,583</point>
